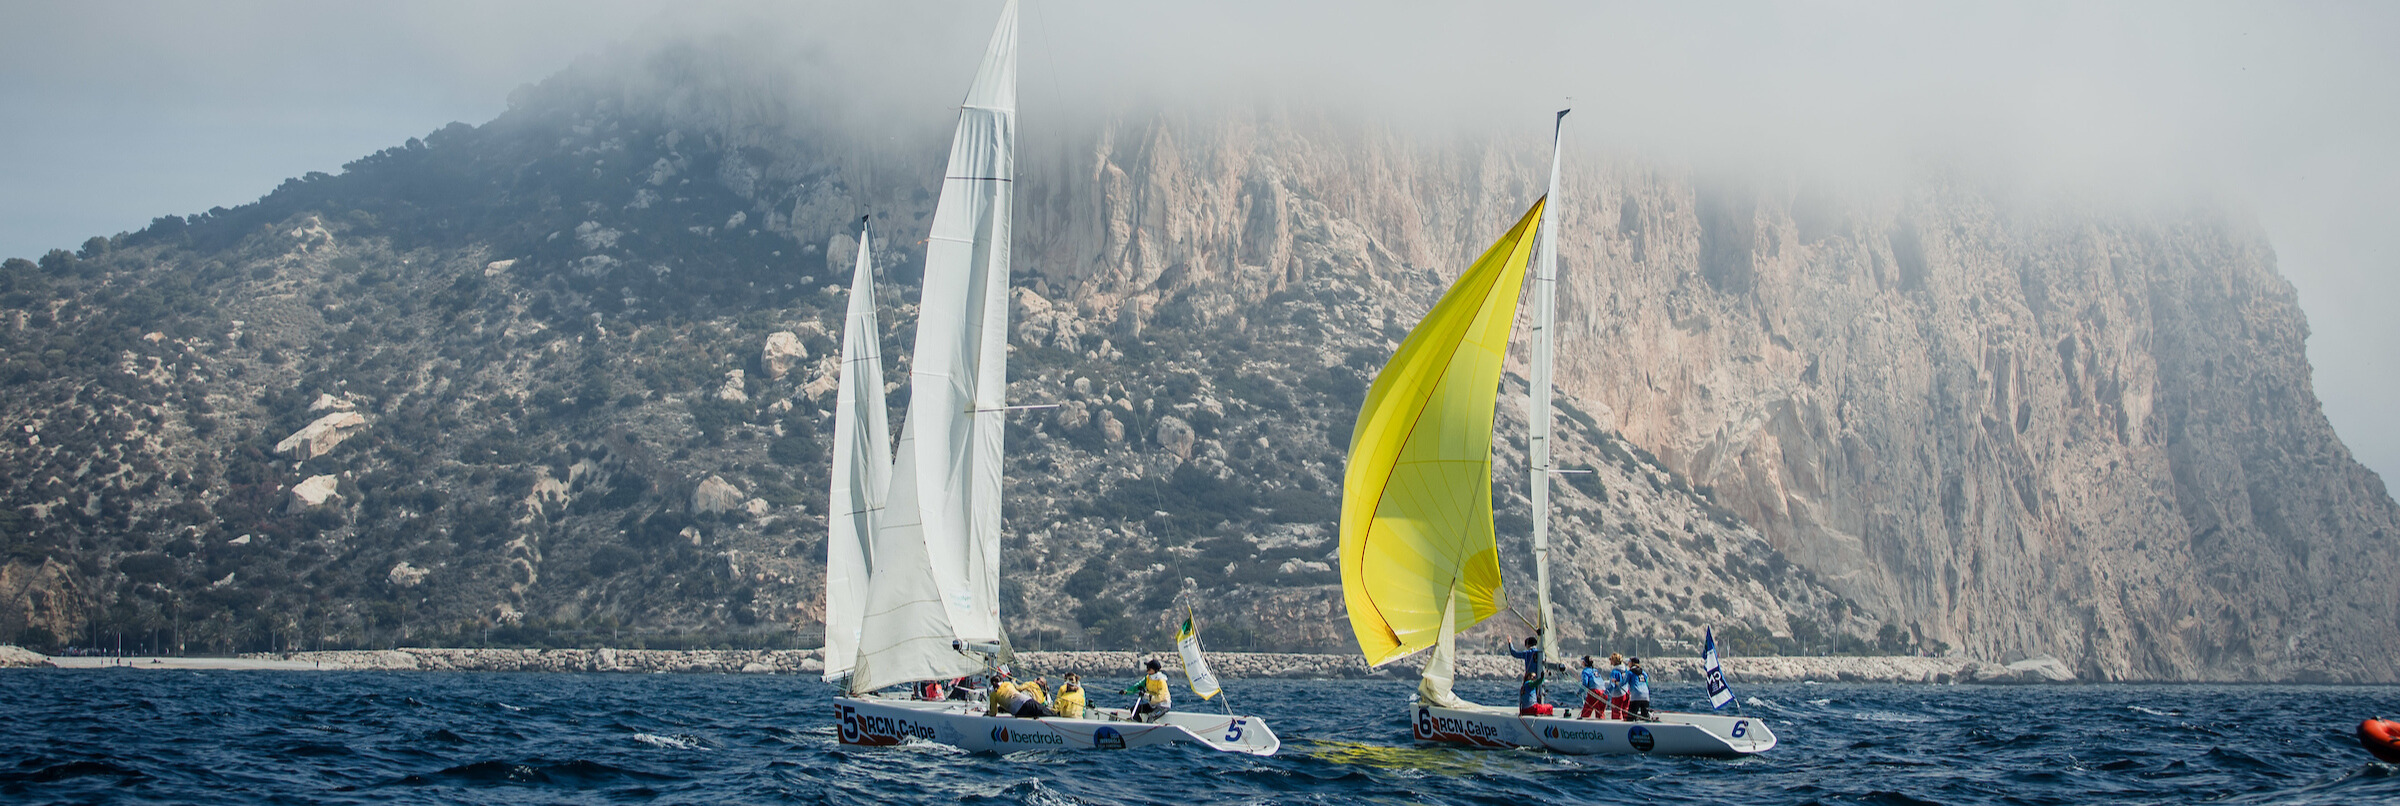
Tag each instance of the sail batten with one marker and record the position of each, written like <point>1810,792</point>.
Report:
<point>1416,503</point>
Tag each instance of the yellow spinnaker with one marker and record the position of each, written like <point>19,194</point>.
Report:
<point>1417,497</point>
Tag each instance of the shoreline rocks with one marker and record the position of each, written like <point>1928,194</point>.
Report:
<point>1116,664</point>
<point>19,657</point>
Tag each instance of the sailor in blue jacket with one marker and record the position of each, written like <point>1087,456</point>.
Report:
<point>1595,692</point>
<point>1640,683</point>
<point>1529,694</point>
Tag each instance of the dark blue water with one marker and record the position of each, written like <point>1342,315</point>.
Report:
<point>340,737</point>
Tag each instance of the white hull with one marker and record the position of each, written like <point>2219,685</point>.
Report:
<point>876,722</point>
<point>1674,734</point>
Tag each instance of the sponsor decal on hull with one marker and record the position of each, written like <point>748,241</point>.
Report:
<point>1107,738</point>
<point>875,730</point>
<point>1433,728</point>
<point>1558,734</point>
<point>1641,739</point>
<point>1002,735</point>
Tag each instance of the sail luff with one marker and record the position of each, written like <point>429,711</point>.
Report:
<point>1537,415</point>
<point>1416,498</point>
<point>862,457</point>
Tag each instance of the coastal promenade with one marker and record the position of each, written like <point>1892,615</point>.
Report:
<point>1887,669</point>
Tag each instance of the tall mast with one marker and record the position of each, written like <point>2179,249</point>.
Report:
<point>1537,415</point>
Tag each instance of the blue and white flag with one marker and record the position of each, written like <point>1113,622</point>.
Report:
<point>1718,693</point>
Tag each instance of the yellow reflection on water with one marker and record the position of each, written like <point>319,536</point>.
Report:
<point>1432,760</point>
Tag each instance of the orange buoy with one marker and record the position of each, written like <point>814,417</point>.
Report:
<point>2382,737</point>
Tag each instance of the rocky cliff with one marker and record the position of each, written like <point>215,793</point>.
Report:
<point>562,378</point>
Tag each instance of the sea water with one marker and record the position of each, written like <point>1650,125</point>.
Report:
<point>135,736</point>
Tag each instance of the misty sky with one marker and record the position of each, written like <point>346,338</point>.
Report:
<point>118,112</point>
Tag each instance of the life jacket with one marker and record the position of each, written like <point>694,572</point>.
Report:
<point>1070,703</point>
<point>1154,690</point>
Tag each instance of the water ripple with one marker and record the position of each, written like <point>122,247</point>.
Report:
<point>392,738</point>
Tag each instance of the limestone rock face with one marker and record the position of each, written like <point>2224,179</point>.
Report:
<point>1998,426</point>
<point>1949,419</point>
<point>321,437</point>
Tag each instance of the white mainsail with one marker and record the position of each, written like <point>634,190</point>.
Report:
<point>862,471</point>
<point>938,550</point>
<point>959,376</point>
<point>1537,414</point>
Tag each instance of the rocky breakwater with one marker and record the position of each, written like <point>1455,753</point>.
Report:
<point>1870,669</point>
<point>1110,665</point>
<point>639,661</point>
<point>19,657</point>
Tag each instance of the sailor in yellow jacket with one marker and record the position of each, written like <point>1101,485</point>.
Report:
<point>1038,689</point>
<point>1070,697</point>
<point>1155,698</point>
<point>1004,691</point>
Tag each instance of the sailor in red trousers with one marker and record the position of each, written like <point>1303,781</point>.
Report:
<point>1620,690</point>
<point>1595,692</point>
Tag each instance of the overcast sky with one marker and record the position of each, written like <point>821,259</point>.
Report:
<point>117,112</point>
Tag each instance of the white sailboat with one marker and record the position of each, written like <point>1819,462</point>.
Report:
<point>1419,559</point>
<point>928,607</point>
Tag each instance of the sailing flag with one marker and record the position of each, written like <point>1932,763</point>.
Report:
<point>1718,693</point>
<point>1195,668</point>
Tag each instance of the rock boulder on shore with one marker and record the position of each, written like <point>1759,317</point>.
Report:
<point>19,657</point>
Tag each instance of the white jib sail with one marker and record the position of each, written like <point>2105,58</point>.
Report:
<point>938,548</point>
<point>862,472</point>
<point>1537,414</point>
<point>1434,684</point>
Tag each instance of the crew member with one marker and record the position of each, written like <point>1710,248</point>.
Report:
<point>1070,697</point>
<point>1639,683</point>
<point>1619,696</point>
<point>1004,697</point>
<point>1529,691</point>
<point>1039,689</point>
<point>1155,698</point>
<point>1010,699</point>
<point>1595,692</point>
